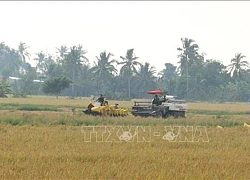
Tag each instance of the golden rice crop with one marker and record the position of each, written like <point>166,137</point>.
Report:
<point>51,145</point>
<point>60,153</point>
<point>231,107</point>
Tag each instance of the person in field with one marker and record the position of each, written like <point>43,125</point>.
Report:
<point>89,107</point>
<point>101,99</point>
<point>156,100</point>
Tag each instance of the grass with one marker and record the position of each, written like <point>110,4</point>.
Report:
<point>36,108</point>
<point>53,118</point>
<point>230,107</point>
<point>42,138</point>
<point>27,107</point>
<point>218,113</point>
<point>48,103</point>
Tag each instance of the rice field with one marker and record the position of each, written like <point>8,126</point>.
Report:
<point>51,141</point>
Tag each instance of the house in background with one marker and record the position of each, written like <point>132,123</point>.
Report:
<point>12,80</point>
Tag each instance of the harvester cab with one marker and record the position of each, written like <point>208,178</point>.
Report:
<point>167,106</point>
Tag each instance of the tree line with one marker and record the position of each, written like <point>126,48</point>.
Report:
<point>195,77</point>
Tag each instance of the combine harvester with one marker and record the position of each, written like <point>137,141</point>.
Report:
<point>167,106</point>
<point>105,110</point>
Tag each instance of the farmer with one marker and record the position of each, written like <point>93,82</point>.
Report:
<point>106,103</point>
<point>156,100</point>
<point>89,107</point>
<point>101,99</point>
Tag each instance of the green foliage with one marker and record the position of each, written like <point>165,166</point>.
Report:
<point>22,50</point>
<point>72,63</point>
<point>194,79</point>
<point>217,113</point>
<point>4,89</point>
<point>26,107</point>
<point>36,108</point>
<point>189,56</point>
<point>129,67</point>
<point>8,106</point>
<point>55,85</point>
<point>104,70</point>
<point>10,61</point>
<point>13,122</point>
<point>237,66</point>
<point>145,78</point>
<point>27,84</point>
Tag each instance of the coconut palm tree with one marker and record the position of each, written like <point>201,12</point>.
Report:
<point>146,77</point>
<point>73,62</point>
<point>62,51</point>
<point>189,54</point>
<point>129,66</point>
<point>22,49</point>
<point>41,59</point>
<point>50,68</point>
<point>104,68</point>
<point>237,66</point>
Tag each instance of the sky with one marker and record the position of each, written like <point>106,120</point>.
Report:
<point>152,28</point>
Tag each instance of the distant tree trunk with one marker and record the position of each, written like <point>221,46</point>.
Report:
<point>129,87</point>
<point>144,86</point>
<point>187,76</point>
<point>73,85</point>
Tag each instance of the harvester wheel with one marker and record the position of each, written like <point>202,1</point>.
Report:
<point>159,113</point>
<point>165,112</point>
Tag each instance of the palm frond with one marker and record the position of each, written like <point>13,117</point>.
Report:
<point>123,58</point>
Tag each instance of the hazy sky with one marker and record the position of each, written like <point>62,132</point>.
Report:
<point>153,29</point>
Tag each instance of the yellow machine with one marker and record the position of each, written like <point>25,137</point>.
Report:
<point>109,110</point>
